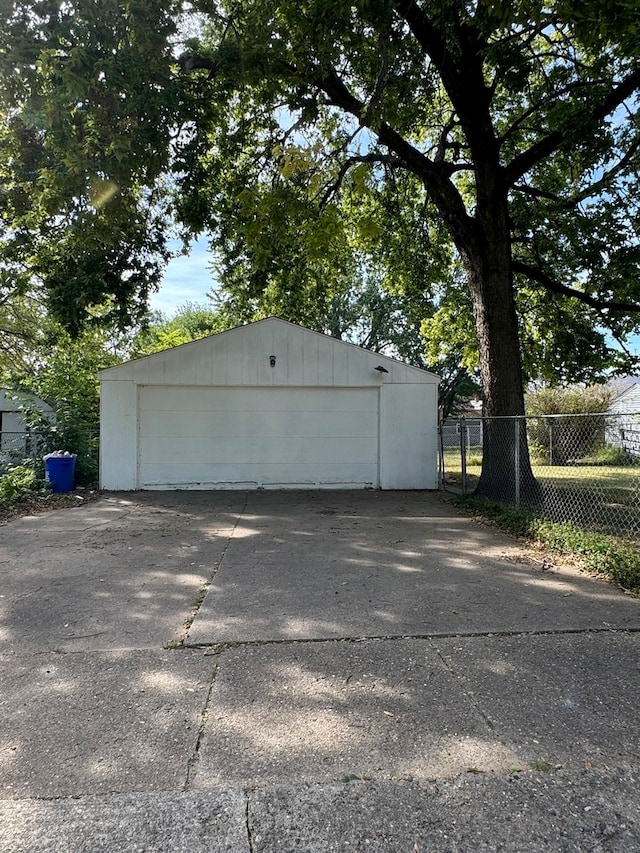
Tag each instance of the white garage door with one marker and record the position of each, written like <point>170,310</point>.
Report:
<point>206,438</point>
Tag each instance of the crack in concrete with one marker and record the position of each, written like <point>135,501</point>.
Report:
<point>27,594</point>
<point>247,822</point>
<point>469,695</point>
<point>180,640</point>
<point>217,648</point>
<point>192,762</point>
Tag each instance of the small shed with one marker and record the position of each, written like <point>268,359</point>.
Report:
<point>622,422</point>
<point>14,434</point>
<point>626,397</point>
<point>267,405</point>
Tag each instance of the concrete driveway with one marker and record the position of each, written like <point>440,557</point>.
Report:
<point>275,671</point>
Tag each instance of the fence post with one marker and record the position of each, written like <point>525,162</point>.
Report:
<point>463,453</point>
<point>517,462</point>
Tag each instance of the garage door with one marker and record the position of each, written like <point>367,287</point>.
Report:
<point>205,438</point>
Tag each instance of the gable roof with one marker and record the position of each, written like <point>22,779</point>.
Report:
<point>11,401</point>
<point>241,356</point>
<point>622,387</point>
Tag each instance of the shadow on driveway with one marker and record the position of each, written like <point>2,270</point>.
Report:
<point>183,641</point>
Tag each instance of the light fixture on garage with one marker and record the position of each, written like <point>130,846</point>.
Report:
<point>381,369</point>
<point>272,360</point>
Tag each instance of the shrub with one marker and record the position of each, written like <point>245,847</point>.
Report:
<point>17,482</point>
<point>561,435</point>
<point>615,456</point>
<point>66,378</point>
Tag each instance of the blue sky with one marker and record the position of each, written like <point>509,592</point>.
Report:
<point>186,279</point>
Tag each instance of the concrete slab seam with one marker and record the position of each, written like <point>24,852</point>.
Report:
<point>204,589</point>
<point>218,648</point>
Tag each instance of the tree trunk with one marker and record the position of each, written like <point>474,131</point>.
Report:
<point>506,468</point>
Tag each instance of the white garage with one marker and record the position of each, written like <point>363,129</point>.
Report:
<point>267,405</point>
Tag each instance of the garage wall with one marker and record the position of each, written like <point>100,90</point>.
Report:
<point>119,435</point>
<point>408,437</point>
<point>241,357</point>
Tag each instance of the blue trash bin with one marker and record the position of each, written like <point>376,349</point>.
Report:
<point>58,471</point>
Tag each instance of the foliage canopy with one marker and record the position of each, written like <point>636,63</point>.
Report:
<point>88,103</point>
<point>335,115</point>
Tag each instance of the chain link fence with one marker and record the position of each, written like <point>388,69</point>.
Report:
<point>15,447</point>
<point>580,468</point>
<point>29,447</point>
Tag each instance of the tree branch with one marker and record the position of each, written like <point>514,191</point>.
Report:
<point>354,160</point>
<point>533,109</point>
<point>525,189</point>
<point>546,146</point>
<point>189,62</point>
<point>443,142</point>
<point>427,36</point>
<point>603,182</point>
<point>623,346</point>
<point>539,276</point>
<point>378,87</point>
<point>435,176</point>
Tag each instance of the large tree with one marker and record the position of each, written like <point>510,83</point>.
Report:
<point>519,126</point>
<point>88,106</point>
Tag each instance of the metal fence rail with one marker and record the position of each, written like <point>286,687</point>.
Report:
<point>583,468</point>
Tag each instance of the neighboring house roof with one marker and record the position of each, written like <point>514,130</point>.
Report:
<point>9,402</point>
<point>626,394</point>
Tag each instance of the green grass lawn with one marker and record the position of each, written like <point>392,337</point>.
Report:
<point>581,476</point>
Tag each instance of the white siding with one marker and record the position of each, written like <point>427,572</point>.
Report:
<point>13,436</point>
<point>408,437</point>
<point>241,357</point>
<point>11,408</point>
<point>627,402</point>
<point>118,435</point>
<point>13,430</point>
